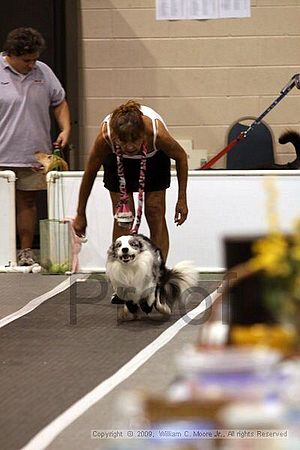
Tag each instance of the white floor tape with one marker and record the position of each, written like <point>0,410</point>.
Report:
<point>41,299</point>
<point>44,438</point>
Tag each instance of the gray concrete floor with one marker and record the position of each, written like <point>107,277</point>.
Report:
<point>154,376</point>
<point>17,289</point>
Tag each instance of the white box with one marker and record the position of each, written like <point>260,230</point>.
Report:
<point>8,219</point>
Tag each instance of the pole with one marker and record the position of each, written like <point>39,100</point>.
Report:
<point>295,80</point>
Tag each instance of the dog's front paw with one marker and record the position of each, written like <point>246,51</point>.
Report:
<point>128,311</point>
<point>145,307</point>
<point>115,300</point>
<point>132,307</point>
<point>163,308</point>
<point>122,313</point>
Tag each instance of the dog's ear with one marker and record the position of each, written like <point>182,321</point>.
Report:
<point>111,250</point>
<point>58,163</point>
<point>64,165</point>
<point>158,253</point>
<point>136,242</point>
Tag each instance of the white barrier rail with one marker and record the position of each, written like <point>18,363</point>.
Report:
<point>8,221</point>
<point>221,203</point>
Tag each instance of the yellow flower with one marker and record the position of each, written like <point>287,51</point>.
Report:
<point>270,255</point>
<point>295,253</point>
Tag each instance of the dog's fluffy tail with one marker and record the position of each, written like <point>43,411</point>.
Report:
<point>293,137</point>
<point>176,284</point>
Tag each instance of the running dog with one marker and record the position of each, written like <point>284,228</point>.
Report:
<point>50,162</point>
<point>141,280</point>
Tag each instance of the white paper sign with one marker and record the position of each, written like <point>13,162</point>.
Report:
<point>201,9</point>
<point>170,10</point>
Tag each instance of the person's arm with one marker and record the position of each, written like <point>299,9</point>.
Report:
<point>170,146</point>
<point>99,151</point>
<point>63,118</point>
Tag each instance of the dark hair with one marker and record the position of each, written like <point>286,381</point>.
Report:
<point>22,41</point>
<point>127,121</point>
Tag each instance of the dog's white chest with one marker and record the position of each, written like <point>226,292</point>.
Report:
<point>131,281</point>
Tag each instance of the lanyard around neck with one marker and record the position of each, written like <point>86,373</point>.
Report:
<point>123,208</point>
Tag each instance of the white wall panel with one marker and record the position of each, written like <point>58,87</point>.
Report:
<point>221,204</point>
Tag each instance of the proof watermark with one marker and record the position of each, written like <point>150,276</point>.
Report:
<point>91,291</point>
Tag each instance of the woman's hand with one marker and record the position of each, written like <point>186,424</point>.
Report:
<point>80,225</point>
<point>181,212</point>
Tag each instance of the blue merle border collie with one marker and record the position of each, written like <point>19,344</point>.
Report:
<point>141,280</point>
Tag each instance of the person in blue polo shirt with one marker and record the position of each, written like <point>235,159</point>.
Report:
<point>28,89</point>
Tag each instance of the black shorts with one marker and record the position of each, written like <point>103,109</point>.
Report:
<point>158,173</point>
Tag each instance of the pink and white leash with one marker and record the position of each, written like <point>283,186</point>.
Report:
<point>123,212</point>
<point>76,243</point>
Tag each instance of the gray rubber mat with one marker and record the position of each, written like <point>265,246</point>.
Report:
<point>17,289</point>
<point>47,363</point>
